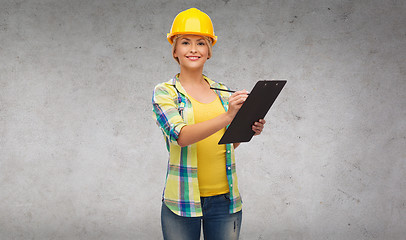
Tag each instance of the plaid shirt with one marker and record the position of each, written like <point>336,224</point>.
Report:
<point>172,111</point>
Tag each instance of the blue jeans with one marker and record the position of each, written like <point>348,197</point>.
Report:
<point>218,224</point>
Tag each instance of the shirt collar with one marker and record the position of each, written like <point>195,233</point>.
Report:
<point>175,82</point>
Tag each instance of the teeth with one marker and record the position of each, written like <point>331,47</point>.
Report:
<point>193,58</point>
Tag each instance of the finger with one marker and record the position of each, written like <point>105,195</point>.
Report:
<point>259,125</point>
<point>257,129</point>
<point>238,99</point>
<point>242,99</point>
<point>237,96</point>
<point>242,92</point>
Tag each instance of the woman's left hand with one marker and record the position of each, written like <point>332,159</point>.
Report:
<point>258,126</point>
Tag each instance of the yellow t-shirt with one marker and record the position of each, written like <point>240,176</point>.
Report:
<point>211,157</point>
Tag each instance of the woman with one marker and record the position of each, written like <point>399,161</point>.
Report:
<point>201,182</point>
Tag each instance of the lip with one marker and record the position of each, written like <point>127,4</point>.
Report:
<point>193,58</point>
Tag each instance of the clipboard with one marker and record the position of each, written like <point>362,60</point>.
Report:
<point>255,107</point>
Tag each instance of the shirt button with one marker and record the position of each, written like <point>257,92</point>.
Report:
<point>229,168</point>
<point>228,151</point>
<point>231,185</point>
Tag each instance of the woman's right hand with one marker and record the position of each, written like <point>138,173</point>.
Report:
<point>235,102</point>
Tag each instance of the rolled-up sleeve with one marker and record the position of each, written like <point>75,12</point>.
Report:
<point>166,113</point>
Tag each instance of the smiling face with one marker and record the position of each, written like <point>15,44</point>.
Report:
<point>191,51</point>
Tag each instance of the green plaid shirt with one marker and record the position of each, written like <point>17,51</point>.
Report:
<point>172,111</point>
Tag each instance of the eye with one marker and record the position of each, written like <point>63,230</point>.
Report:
<point>185,43</point>
<point>201,43</point>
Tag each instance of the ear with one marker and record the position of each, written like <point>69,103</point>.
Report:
<point>174,54</point>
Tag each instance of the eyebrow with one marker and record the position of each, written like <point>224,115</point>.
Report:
<point>200,39</point>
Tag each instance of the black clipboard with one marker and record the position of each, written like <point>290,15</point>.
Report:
<point>256,106</point>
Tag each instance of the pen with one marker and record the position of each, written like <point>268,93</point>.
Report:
<point>225,90</point>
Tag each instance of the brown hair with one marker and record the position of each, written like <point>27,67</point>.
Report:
<point>209,43</point>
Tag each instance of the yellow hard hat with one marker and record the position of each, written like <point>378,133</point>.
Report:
<point>192,21</point>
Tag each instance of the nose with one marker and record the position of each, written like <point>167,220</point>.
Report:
<point>193,48</point>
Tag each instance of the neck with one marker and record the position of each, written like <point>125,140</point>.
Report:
<point>191,77</point>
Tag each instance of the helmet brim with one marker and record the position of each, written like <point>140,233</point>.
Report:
<point>170,36</point>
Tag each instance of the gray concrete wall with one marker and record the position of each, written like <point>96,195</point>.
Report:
<point>81,157</point>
